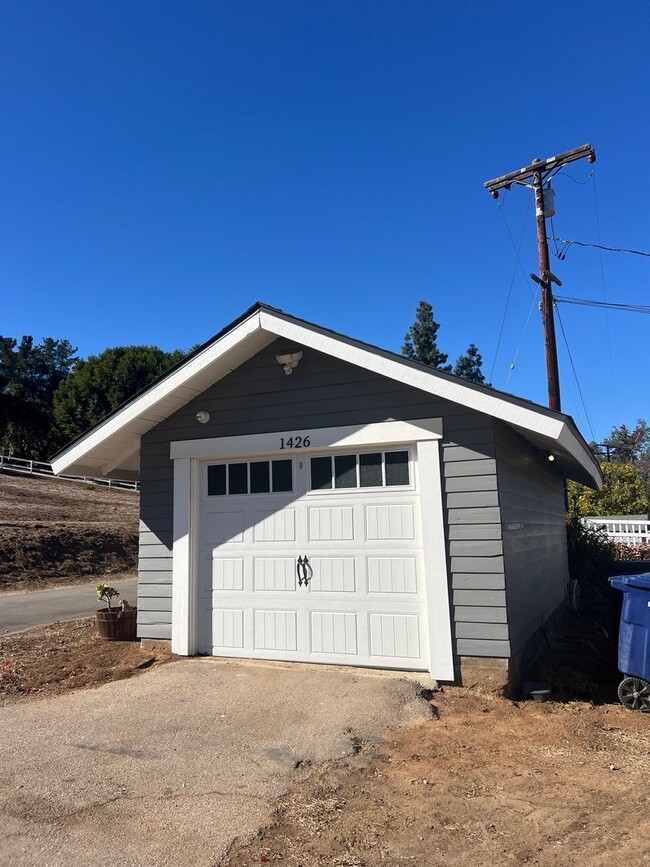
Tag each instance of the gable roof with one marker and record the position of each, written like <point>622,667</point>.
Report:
<point>112,447</point>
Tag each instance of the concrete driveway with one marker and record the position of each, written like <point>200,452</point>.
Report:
<point>167,768</point>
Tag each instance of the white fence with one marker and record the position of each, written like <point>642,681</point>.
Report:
<point>40,468</point>
<point>628,529</point>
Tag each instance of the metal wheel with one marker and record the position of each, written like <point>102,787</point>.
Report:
<point>634,693</point>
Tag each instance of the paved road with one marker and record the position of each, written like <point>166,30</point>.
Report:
<point>163,770</point>
<point>22,610</point>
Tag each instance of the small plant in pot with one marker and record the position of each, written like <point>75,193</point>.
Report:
<point>115,623</point>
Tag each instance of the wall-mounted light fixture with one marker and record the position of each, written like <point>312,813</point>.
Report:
<point>289,362</point>
<point>203,416</point>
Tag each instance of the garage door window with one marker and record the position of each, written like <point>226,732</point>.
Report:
<point>250,477</point>
<point>373,470</point>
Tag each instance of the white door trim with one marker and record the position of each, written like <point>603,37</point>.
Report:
<point>424,432</point>
<point>184,596</point>
<point>349,436</point>
<point>441,657</point>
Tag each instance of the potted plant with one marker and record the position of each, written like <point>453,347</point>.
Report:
<point>119,623</point>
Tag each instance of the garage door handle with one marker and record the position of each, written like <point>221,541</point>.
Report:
<point>302,576</point>
<point>302,563</point>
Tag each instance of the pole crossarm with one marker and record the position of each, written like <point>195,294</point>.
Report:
<point>541,166</point>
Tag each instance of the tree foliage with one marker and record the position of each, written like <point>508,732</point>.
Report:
<point>420,344</point>
<point>623,493</point>
<point>102,383</point>
<point>420,340</point>
<point>30,373</point>
<point>468,366</point>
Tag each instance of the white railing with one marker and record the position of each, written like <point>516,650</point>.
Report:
<point>624,529</point>
<point>41,468</point>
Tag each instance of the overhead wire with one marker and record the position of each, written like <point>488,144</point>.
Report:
<point>575,374</point>
<point>521,340</point>
<point>569,243</point>
<point>514,247</point>
<point>610,305</point>
<point>512,280</point>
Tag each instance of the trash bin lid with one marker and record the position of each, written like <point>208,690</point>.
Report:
<point>640,581</point>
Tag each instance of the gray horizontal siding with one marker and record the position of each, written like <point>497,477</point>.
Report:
<point>531,492</point>
<point>155,630</point>
<point>475,548</point>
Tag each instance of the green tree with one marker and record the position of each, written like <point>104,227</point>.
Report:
<point>623,493</point>
<point>629,446</point>
<point>420,340</point>
<point>102,383</point>
<point>469,366</point>
<point>29,375</point>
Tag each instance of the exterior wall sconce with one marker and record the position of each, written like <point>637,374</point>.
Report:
<point>289,362</point>
<point>202,416</point>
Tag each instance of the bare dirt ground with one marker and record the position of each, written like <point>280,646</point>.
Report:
<point>51,660</point>
<point>491,782</point>
<point>55,532</point>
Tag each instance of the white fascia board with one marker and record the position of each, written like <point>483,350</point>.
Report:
<point>345,436</point>
<point>568,441</point>
<point>146,403</point>
<point>448,389</point>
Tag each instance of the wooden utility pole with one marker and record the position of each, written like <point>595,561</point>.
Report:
<point>535,175</point>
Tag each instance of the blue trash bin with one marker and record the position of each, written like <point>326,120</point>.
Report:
<point>634,641</point>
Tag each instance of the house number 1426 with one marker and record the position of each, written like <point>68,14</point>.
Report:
<point>295,442</point>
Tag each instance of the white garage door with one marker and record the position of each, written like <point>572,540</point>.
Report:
<point>313,558</point>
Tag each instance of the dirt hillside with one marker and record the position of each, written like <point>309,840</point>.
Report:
<point>58,532</point>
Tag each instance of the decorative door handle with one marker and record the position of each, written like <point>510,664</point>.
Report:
<point>302,563</point>
<point>302,576</point>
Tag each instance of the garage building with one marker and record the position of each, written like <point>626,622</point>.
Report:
<point>309,497</point>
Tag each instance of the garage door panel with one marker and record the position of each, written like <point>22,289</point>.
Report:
<point>227,573</point>
<point>332,575</point>
<point>223,527</point>
<point>331,523</point>
<point>392,575</point>
<point>277,527</point>
<point>395,635</point>
<point>228,628</point>
<point>276,630</point>
<point>390,522</point>
<point>274,574</point>
<point>334,632</point>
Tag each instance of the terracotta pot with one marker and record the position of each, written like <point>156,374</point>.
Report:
<point>117,625</point>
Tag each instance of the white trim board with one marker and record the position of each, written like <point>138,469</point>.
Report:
<point>346,436</point>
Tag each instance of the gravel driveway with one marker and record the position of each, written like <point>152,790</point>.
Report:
<point>167,768</point>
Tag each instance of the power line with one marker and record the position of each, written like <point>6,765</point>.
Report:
<point>512,281</point>
<point>521,340</point>
<point>569,243</point>
<point>610,305</point>
<point>514,247</point>
<point>575,374</point>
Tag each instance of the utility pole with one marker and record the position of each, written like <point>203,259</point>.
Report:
<point>537,175</point>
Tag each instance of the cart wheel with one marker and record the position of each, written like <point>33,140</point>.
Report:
<point>634,693</point>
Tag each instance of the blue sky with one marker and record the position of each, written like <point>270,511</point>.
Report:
<point>164,165</point>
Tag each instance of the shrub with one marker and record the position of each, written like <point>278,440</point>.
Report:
<point>627,551</point>
<point>591,553</point>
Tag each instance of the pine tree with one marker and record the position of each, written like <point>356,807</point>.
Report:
<point>468,366</point>
<point>420,340</point>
